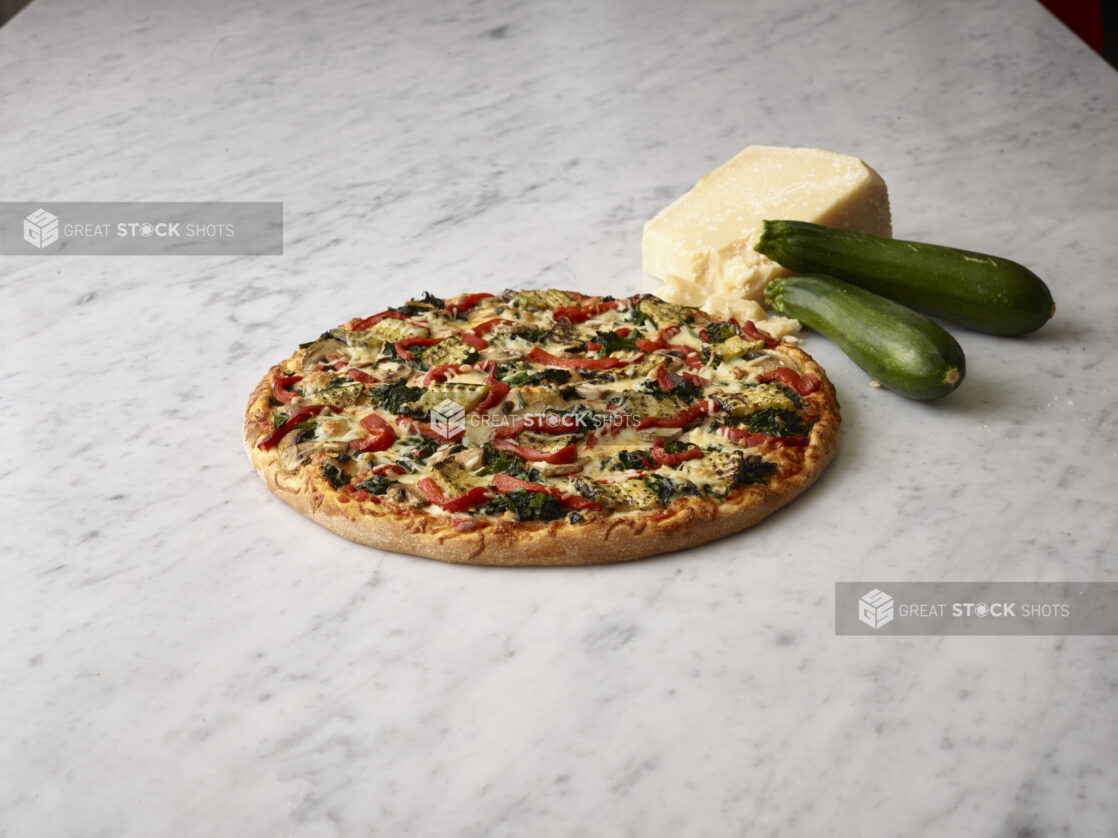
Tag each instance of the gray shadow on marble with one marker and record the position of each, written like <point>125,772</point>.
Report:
<point>983,392</point>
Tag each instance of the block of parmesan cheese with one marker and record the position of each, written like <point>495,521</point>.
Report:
<point>701,246</point>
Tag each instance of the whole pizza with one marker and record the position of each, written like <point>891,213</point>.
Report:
<point>541,427</point>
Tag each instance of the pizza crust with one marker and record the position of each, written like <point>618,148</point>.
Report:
<point>600,539</point>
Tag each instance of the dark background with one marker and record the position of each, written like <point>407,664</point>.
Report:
<point>1095,21</point>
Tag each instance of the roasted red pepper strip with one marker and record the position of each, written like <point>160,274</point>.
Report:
<point>652,344</point>
<point>677,420</point>
<point>566,454</point>
<point>751,440</point>
<point>357,494</point>
<point>646,463</point>
<point>427,430</point>
<point>462,503</point>
<point>665,459</point>
<point>439,373</point>
<point>402,346</point>
<point>390,470</point>
<point>666,380</point>
<point>381,435</point>
<point>358,375</point>
<point>280,391</point>
<point>505,483</point>
<point>579,314</point>
<point>466,303</point>
<point>508,431</point>
<point>300,415</point>
<point>474,341</point>
<point>690,356</point>
<point>486,326</point>
<point>750,329</point>
<point>577,502</point>
<point>804,385</point>
<point>413,426</point>
<point>576,314</point>
<point>361,325</point>
<point>549,360</point>
<point>618,420</point>
<point>497,390</point>
<point>544,424</point>
<point>374,423</point>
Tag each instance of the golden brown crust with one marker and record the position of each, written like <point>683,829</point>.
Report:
<point>600,539</point>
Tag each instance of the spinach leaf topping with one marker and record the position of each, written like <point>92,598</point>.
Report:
<point>334,474</point>
<point>675,446</point>
<point>279,418</point>
<point>719,332</point>
<point>755,471</point>
<point>377,484</point>
<point>520,375</point>
<point>773,422</point>
<point>638,317</point>
<point>392,397</point>
<point>661,486</point>
<point>585,416</point>
<point>420,448</point>
<point>613,342</point>
<point>528,506</point>
<point>530,334</point>
<point>626,460</point>
<point>686,390</point>
<point>497,461</point>
<point>424,305</point>
<point>686,487</point>
<point>388,353</point>
<point>740,470</point>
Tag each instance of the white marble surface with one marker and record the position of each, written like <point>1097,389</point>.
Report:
<point>183,655</point>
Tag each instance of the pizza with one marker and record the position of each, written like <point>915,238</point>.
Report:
<point>541,427</point>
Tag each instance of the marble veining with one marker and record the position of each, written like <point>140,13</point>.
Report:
<point>183,655</point>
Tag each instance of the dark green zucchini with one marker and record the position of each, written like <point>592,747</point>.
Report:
<point>903,350</point>
<point>981,292</point>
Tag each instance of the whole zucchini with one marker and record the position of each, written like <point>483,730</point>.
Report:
<point>981,292</point>
<point>903,350</point>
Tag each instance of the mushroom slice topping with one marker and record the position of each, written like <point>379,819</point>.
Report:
<point>390,372</point>
<point>406,495</point>
<point>295,449</point>
<point>321,349</point>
